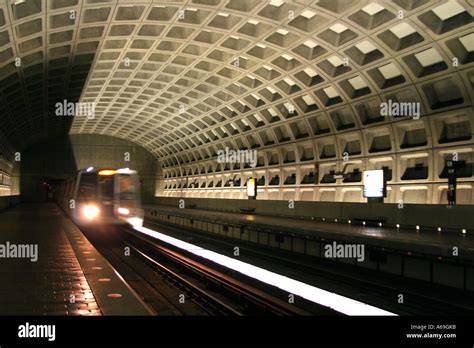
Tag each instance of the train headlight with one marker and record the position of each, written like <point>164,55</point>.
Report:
<point>123,211</point>
<point>91,211</point>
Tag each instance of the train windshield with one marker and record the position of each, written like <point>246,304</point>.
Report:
<point>87,187</point>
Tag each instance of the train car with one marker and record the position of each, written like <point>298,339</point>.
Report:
<point>102,196</point>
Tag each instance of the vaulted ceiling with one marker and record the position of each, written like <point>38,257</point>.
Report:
<point>184,78</point>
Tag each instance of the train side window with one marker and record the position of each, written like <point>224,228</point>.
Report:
<point>72,187</point>
<point>126,189</point>
<point>106,187</point>
<point>67,190</point>
<point>87,186</point>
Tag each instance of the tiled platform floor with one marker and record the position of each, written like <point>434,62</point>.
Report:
<point>55,284</point>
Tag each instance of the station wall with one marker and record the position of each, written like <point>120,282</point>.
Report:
<point>9,201</point>
<point>413,154</point>
<point>9,176</point>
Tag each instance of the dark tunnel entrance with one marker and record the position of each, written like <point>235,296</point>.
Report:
<point>43,167</point>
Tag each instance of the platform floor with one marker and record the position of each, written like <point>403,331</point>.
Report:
<point>399,239</point>
<point>67,275</point>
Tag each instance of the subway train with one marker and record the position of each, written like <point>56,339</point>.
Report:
<point>102,196</point>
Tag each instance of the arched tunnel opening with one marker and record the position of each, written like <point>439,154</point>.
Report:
<point>256,158</point>
<point>46,165</point>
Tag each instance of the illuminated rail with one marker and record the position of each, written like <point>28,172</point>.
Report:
<point>314,294</point>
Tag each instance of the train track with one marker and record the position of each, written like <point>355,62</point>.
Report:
<point>214,292</point>
<point>240,298</point>
<point>417,300</point>
<point>155,289</point>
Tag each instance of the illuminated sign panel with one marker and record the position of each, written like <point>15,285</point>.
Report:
<point>251,187</point>
<point>374,183</point>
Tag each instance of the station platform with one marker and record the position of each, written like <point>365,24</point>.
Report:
<point>437,257</point>
<point>48,267</point>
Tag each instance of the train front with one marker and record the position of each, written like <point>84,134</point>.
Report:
<point>108,197</point>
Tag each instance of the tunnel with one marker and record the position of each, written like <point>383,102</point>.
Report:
<point>328,142</point>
